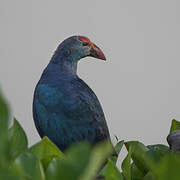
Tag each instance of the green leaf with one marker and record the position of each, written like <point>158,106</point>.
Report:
<point>168,168</point>
<point>135,172</point>
<point>77,158</point>
<point>117,148</point>
<point>10,173</point>
<point>6,174</point>
<point>149,176</point>
<point>59,169</point>
<point>4,144</point>
<point>4,114</point>
<point>98,156</point>
<point>18,139</point>
<point>126,165</point>
<point>157,151</point>
<point>112,172</point>
<point>78,155</point>
<point>29,167</point>
<point>142,160</point>
<point>45,151</point>
<point>175,125</point>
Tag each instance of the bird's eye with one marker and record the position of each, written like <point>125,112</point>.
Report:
<point>85,44</point>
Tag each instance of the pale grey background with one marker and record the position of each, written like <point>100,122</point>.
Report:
<point>138,86</point>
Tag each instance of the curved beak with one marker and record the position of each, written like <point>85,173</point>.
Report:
<point>97,53</point>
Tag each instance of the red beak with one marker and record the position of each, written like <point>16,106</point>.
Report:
<point>97,53</point>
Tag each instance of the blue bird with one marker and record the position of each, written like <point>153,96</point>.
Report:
<point>65,109</point>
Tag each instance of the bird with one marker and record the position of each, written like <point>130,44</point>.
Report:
<point>65,108</point>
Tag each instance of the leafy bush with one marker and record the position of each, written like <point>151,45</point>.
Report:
<point>44,161</point>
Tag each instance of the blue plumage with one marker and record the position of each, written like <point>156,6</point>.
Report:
<point>65,109</point>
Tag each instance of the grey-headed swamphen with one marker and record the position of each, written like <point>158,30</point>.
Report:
<point>65,109</point>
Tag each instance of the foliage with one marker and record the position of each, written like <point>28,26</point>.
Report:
<point>44,161</point>
<point>175,125</point>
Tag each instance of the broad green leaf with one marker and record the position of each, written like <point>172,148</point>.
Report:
<point>126,165</point>
<point>29,167</point>
<point>140,157</point>
<point>149,176</point>
<point>103,170</point>
<point>18,139</point>
<point>60,169</point>
<point>79,154</point>
<point>4,144</point>
<point>157,151</point>
<point>45,151</point>
<point>175,125</point>
<point>168,168</point>
<point>112,172</point>
<point>12,172</point>
<point>117,148</point>
<point>9,175</point>
<point>135,172</point>
<point>99,155</point>
<point>4,114</point>
<point>77,158</point>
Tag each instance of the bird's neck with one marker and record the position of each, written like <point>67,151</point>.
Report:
<point>65,65</point>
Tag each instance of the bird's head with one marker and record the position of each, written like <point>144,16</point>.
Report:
<point>77,47</point>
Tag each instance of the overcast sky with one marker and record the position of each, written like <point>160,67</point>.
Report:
<point>138,86</point>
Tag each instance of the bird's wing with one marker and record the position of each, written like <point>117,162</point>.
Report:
<point>72,115</point>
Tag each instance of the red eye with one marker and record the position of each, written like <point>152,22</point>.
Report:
<point>85,44</point>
